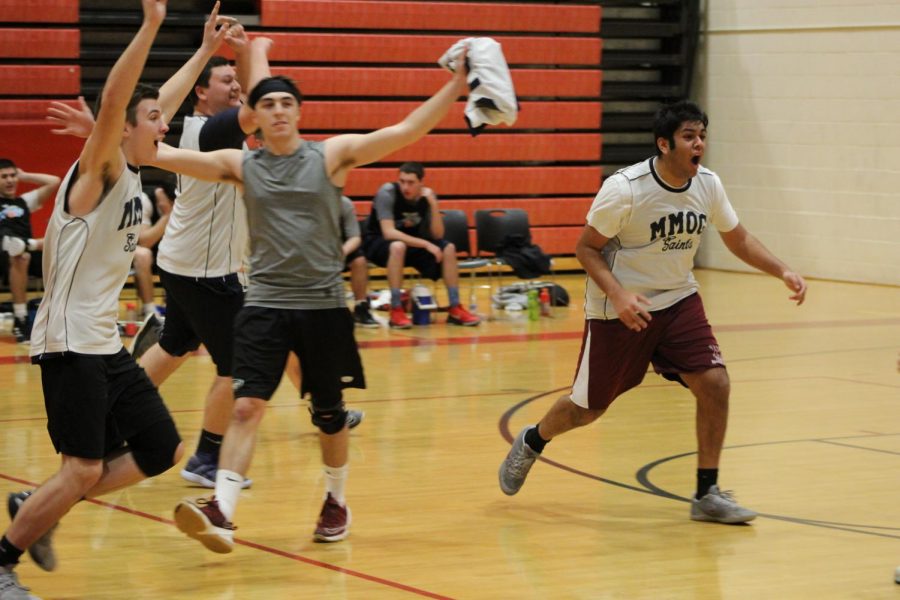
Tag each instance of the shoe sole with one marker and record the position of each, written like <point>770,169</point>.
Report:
<point>401,326</point>
<point>729,521</point>
<point>461,324</point>
<point>204,482</point>
<point>326,539</point>
<point>192,522</point>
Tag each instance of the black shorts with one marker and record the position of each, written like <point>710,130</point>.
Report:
<point>351,257</point>
<point>96,402</point>
<point>378,250</point>
<point>322,340</point>
<point>201,310</point>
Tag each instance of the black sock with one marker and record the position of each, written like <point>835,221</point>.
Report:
<point>9,554</point>
<point>534,440</point>
<point>209,443</point>
<point>706,478</point>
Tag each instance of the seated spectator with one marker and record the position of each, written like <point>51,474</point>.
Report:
<point>355,262</point>
<point>406,229</point>
<point>16,242</point>
<point>151,233</point>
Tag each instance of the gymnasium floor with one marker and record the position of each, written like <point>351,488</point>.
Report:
<point>813,445</point>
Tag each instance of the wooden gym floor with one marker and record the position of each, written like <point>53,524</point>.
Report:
<point>813,445</point>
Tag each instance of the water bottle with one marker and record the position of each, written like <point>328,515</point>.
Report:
<point>534,308</point>
<point>545,302</point>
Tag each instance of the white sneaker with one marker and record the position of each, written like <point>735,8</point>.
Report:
<point>719,507</point>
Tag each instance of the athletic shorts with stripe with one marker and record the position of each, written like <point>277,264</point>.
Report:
<point>614,359</point>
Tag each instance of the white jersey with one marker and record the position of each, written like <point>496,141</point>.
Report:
<point>654,233</point>
<point>206,235</point>
<point>86,263</point>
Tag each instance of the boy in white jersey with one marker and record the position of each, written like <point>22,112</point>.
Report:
<point>295,300</point>
<point>642,307</point>
<point>103,414</point>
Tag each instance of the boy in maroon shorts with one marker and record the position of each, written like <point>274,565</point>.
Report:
<point>642,307</point>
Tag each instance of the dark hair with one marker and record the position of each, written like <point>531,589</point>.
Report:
<point>141,92</point>
<point>205,74</point>
<point>276,83</point>
<point>6,163</point>
<point>414,168</point>
<point>671,116</point>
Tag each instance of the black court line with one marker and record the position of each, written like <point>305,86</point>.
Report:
<point>642,475</point>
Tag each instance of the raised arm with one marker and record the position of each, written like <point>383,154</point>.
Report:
<point>101,159</point>
<point>175,90</point>
<point>220,166</point>
<point>344,152</point>
<point>46,182</point>
<point>257,70</point>
<point>746,247</point>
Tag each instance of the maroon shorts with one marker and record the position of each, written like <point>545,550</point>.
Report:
<point>614,358</point>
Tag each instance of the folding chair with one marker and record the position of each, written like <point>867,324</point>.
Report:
<point>456,231</point>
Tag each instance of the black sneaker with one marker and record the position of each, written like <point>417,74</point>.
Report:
<point>363,317</point>
<point>20,330</point>
<point>41,552</point>
<point>146,336</point>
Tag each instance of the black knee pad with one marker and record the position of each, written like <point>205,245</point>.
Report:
<point>329,421</point>
<point>154,447</point>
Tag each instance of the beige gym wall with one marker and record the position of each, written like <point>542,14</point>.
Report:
<point>804,104</point>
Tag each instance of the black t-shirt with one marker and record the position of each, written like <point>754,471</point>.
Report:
<point>15,218</point>
<point>222,130</point>
<point>411,218</point>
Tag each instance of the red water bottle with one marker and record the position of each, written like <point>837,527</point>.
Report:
<point>544,298</point>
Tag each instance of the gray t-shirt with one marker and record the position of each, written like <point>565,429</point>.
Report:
<point>348,219</point>
<point>294,214</point>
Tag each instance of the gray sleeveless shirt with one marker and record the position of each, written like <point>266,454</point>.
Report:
<point>294,218</point>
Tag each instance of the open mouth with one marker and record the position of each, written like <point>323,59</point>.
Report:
<point>695,160</point>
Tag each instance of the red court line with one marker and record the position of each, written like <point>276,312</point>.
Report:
<point>255,546</point>
<point>408,342</point>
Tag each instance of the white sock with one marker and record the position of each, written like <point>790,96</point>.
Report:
<point>31,244</point>
<point>335,479</point>
<point>228,489</point>
<point>149,308</point>
<point>20,310</point>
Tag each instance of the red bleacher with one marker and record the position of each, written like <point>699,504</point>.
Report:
<point>365,64</point>
<point>397,81</point>
<point>423,16</point>
<point>39,43</point>
<point>385,49</point>
<point>39,11</point>
<point>350,115</point>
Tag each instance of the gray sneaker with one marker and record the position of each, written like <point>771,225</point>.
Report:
<point>514,469</point>
<point>146,336</point>
<point>719,507</point>
<point>41,552</point>
<point>10,588</point>
<point>201,469</point>
<point>354,418</point>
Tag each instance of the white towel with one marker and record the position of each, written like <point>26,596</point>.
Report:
<point>492,97</point>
